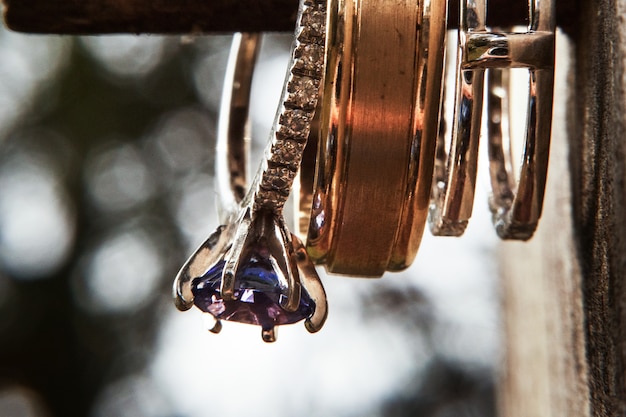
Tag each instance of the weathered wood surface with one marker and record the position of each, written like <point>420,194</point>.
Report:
<point>598,161</point>
<point>546,372</point>
<point>564,291</point>
<point>200,16</point>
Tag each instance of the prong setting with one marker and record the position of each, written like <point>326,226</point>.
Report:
<point>266,265</point>
<point>269,335</point>
<point>250,269</point>
<point>212,324</point>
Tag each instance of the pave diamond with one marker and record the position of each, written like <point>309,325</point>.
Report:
<point>269,199</point>
<point>309,59</point>
<point>287,152</point>
<point>278,179</point>
<point>313,26</point>
<point>297,121</point>
<point>302,92</point>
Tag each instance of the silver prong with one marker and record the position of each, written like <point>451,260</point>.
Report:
<point>269,335</point>
<point>212,323</point>
<point>202,259</point>
<point>227,286</point>
<point>313,286</point>
<point>294,289</point>
<point>181,302</point>
<point>181,291</point>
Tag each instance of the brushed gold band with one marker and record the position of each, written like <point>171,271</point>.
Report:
<point>378,125</point>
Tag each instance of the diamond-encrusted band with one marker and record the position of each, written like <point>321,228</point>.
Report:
<point>273,183</point>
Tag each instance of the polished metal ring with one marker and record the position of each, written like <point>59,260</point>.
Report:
<point>378,128</point>
<point>455,171</point>
<point>233,129</point>
<point>518,186</point>
<point>252,269</point>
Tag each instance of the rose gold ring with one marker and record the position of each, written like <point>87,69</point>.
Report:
<point>378,125</point>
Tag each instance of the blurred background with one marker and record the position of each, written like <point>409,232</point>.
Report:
<point>106,186</point>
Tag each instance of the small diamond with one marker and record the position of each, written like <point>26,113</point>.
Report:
<point>278,179</point>
<point>317,3</point>
<point>302,92</point>
<point>313,26</point>
<point>286,152</point>
<point>269,199</point>
<point>297,121</point>
<point>297,135</point>
<point>309,59</point>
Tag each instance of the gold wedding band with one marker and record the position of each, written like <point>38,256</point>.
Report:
<point>378,127</point>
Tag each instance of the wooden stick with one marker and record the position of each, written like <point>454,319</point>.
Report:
<point>546,372</point>
<point>73,17</point>
<point>598,163</point>
<point>565,291</point>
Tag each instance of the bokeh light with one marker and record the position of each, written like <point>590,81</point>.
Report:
<point>127,56</point>
<point>37,221</point>
<point>117,178</point>
<point>121,274</point>
<point>16,401</point>
<point>132,396</point>
<point>24,75</point>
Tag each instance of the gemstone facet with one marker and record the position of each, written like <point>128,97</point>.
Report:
<point>259,290</point>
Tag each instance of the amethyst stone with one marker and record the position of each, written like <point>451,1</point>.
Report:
<point>258,291</point>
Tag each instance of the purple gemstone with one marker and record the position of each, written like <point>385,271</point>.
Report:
<point>258,292</point>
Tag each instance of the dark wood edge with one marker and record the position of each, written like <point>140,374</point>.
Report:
<point>75,17</point>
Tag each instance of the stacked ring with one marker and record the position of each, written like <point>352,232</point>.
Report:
<point>518,188</point>
<point>233,136</point>
<point>455,172</point>
<point>377,134</point>
<point>252,269</point>
<point>365,78</point>
<point>517,197</point>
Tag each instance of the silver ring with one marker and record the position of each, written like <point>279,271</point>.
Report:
<point>252,269</point>
<point>518,186</point>
<point>455,171</point>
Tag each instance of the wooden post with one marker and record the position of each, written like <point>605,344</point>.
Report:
<point>564,291</point>
<point>546,371</point>
<point>597,157</point>
<point>203,16</point>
